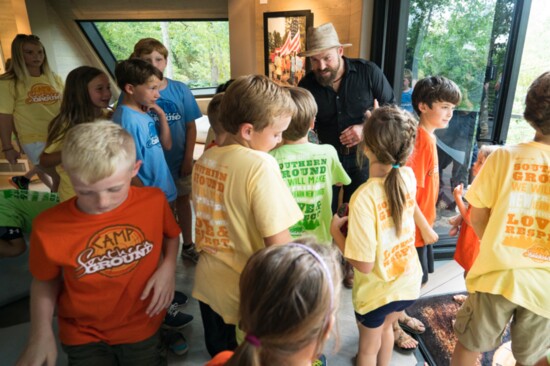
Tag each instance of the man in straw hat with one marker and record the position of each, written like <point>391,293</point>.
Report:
<point>344,89</point>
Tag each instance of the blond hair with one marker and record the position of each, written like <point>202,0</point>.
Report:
<point>17,69</point>
<point>306,110</point>
<point>94,151</point>
<point>213,112</point>
<point>256,100</point>
<point>537,103</point>
<point>289,297</point>
<point>389,133</point>
<point>146,46</point>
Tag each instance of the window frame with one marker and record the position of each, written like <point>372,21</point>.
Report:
<point>96,40</point>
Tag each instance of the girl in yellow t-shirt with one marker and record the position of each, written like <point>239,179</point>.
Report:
<point>86,98</point>
<point>30,95</point>
<point>381,233</point>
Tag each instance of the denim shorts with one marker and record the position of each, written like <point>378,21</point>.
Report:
<point>33,151</point>
<point>376,317</point>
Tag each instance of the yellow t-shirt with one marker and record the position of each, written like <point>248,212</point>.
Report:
<point>372,237</point>
<point>239,199</point>
<point>65,189</point>
<point>33,105</point>
<point>514,255</point>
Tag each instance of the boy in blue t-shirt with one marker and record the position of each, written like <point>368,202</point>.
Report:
<point>140,82</point>
<point>181,111</point>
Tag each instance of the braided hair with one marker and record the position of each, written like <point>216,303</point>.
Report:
<point>389,134</point>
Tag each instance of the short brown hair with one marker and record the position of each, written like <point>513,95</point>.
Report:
<point>537,103</point>
<point>256,100</point>
<point>305,113</point>
<point>213,112</point>
<point>135,72</point>
<point>146,46</point>
<point>435,89</point>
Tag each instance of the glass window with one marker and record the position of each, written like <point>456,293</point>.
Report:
<point>465,41</point>
<point>534,62</point>
<point>198,50</point>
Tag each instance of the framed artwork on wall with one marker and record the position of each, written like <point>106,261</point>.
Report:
<point>285,37</point>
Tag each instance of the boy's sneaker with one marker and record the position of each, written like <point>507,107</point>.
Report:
<point>189,252</point>
<point>175,319</point>
<point>176,342</point>
<point>20,182</point>
<point>180,299</point>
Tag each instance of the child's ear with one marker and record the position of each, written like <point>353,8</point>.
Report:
<point>136,167</point>
<point>423,107</point>
<point>312,124</point>
<point>245,131</point>
<point>129,89</point>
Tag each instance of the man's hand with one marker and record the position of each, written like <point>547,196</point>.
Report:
<point>352,135</point>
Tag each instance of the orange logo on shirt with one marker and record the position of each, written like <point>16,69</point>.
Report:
<point>113,251</point>
<point>43,94</point>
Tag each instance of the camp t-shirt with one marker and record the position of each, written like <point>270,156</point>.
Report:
<point>425,165</point>
<point>310,171</point>
<point>514,254</point>
<point>239,199</point>
<point>33,105</point>
<point>396,274</point>
<point>105,260</point>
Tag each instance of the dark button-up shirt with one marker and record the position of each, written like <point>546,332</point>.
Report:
<point>362,82</point>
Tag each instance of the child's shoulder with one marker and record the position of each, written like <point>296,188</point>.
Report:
<point>176,86</point>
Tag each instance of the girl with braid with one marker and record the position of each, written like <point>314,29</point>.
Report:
<point>381,232</point>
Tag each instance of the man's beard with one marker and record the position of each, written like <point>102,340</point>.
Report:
<point>327,80</point>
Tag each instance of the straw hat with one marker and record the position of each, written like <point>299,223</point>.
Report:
<point>322,38</point>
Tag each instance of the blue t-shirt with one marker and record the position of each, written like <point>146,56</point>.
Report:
<point>154,171</point>
<point>406,101</point>
<point>180,107</point>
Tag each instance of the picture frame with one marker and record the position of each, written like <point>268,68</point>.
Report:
<point>284,37</point>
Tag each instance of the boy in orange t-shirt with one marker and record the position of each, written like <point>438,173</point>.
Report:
<point>434,99</point>
<point>106,258</point>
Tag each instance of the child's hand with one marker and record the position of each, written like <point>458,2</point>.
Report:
<point>39,351</point>
<point>155,108</point>
<point>186,168</point>
<point>337,222</point>
<point>368,112</point>
<point>163,284</point>
<point>429,236</point>
<point>456,220</point>
<point>458,191</point>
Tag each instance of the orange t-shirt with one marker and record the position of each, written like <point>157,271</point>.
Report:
<point>220,359</point>
<point>105,261</point>
<point>425,165</point>
<point>467,245</point>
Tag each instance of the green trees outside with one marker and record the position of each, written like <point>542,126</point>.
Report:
<point>198,50</point>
